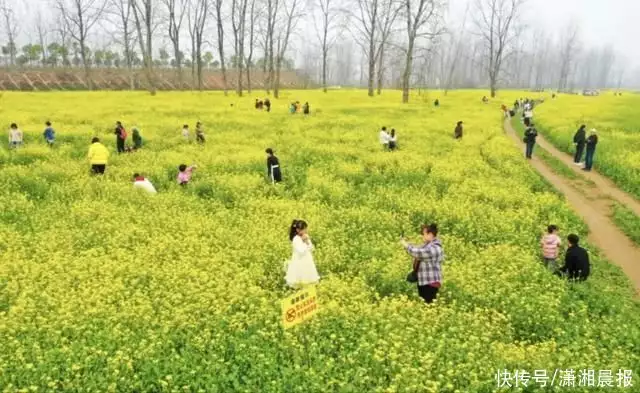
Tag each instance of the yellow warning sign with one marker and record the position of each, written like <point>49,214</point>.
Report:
<point>299,307</point>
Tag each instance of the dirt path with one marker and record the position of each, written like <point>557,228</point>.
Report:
<point>593,205</point>
<point>604,185</point>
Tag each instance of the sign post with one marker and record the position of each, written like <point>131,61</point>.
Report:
<point>299,307</point>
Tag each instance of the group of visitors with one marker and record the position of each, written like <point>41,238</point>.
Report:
<point>581,141</point>
<point>186,134</point>
<point>16,136</point>
<point>121,139</point>
<point>576,259</point>
<point>263,104</point>
<point>295,107</point>
<point>389,141</point>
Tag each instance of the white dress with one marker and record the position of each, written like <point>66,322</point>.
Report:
<point>301,269</point>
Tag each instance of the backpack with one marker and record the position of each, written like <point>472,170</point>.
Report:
<point>123,133</point>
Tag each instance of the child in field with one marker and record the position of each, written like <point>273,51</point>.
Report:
<point>184,176</point>
<point>301,270</point>
<point>185,132</point>
<point>550,247</point>
<point>49,134</point>
<point>457,133</point>
<point>199,133</point>
<point>15,136</point>
<point>267,104</point>
<point>292,108</point>
<point>305,108</point>
<point>273,167</point>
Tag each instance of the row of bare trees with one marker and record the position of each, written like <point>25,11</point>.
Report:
<point>402,43</point>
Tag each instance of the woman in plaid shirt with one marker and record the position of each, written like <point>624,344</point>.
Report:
<point>428,262</point>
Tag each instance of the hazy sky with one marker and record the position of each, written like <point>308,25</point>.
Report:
<point>602,22</point>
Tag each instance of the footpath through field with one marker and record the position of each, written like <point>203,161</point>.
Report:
<point>592,203</point>
<point>604,184</point>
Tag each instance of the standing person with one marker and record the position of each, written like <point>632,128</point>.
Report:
<point>580,140</point>
<point>49,134</point>
<point>528,115</point>
<point>143,183</point>
<point>273,167</point>
<point>393,140</point>
<point>305,108</point>
<point>185,132</point>
<point>592,141</point>
<point>550,246</point>
<point>258,104</point>
<point>15,136</point>
<point>516,105</point>
<point>98,156</point>
<point>267,104</point>
<point>184,174</point>
<point>530,135</point>
<point>436,103</point>
<point>121,137</point>
<point>457,133</point>
<point>292,108</point>
<point>301,270</point>
<point>137,138</point>
<point>384,138</point>
<point>576,265</point>
<point>199,133</point>
<point>428,262</point>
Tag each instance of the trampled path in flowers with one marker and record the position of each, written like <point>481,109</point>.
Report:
<point>592,202</point>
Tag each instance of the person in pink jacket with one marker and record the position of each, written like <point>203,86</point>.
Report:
<point>550,244</point>
<point>184,174</point>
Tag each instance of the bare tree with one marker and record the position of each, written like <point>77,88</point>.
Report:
<point>81,16</point>
<point>291,14</point>
<point>423,19</point>
<point>176,9</point>
<point>197,15</point>
<point>238,23</point>
<point>272,17</point>
<point>569,43</point>
<point>496,22</point>
<point>365,30</point>
<point>327,32</point>
<point>389,11</point>
<point>121,10</point>
<point>220,30</point>
<point>144,21</point>
<point>11,26</point>
<point>455,53</point>
<point>41,28</point>
<point>254,14</point>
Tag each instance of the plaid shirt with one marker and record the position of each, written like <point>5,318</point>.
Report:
<point>430,257</point>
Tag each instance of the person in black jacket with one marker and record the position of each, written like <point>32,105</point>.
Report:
<point>592,141</point>
<point>273,167</point>
<point>576,260</point>
<point>267,104</point>
<point>530,135</point>
<point>580,139</point>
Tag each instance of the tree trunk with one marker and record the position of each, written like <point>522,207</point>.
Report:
<point>85,63</point>
<point>324,68</point>
<point>406,75</point>
<point>372,67</point>
<point>380,70</point>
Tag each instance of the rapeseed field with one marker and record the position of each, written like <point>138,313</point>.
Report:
<point>104,288</point>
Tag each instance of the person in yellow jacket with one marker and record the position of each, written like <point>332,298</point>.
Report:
<point>98,156</point>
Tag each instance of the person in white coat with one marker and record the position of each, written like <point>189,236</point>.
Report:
<point>143,183</point>
<point>15,136</point>
<point>301,270</point>
<point>384,138</point>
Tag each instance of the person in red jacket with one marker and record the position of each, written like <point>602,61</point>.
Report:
<point>121,137</point>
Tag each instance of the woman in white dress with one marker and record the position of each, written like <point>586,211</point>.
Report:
<point>301,269</point>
